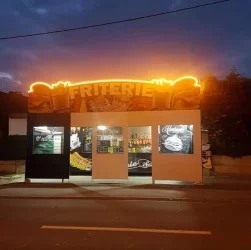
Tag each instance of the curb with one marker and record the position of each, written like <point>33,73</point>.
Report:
<point>98,198</point>
<point>121,198</point>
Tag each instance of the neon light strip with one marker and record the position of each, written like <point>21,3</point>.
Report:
<point>154,81</point>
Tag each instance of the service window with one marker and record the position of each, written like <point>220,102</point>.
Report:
<point>81,150</point>
<point>110,140</point>
<point>140,150</point>
<point>48,140</point>
<point>175,139</point>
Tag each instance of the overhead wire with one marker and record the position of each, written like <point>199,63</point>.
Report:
<point>114,22</point>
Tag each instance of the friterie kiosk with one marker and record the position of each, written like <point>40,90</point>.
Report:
<point>112,129</point>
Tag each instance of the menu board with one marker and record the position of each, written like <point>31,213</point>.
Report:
<point>81,150</point>
<point>176,139</point>
<point>110,140</point>
<point>48,140</point>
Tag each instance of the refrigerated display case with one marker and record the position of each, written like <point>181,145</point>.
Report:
<point>140,150</point>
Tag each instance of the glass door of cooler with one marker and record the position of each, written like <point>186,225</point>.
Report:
<point>140,151</point>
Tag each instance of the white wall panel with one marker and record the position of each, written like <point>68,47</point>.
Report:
<point>17,126</point>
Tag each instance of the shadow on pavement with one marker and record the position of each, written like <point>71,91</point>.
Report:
<point>199,187</point>
<point>39,185</point>
<point>86,188</point>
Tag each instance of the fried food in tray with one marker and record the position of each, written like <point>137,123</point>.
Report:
<point>78,161</point>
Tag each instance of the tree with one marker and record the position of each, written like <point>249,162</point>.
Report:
<point>225,107</point>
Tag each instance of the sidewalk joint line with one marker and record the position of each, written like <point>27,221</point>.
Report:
<point>119,229</point>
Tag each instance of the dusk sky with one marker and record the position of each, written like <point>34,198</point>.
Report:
<point>208,40</point>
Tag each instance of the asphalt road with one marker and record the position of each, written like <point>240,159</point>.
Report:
<point>227,225</point>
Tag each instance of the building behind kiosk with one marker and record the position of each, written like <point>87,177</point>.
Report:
<point>112,129</point>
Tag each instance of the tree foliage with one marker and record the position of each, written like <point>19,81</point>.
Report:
<point>226,113</point>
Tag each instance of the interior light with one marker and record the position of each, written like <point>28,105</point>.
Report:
<point>42,127</point>
<point>101,127</point>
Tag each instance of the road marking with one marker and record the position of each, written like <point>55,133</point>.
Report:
<point>121,229</point>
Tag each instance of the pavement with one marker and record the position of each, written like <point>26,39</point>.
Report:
<point>88,216</point>
<point>123,224</point>
<point>221,190</point>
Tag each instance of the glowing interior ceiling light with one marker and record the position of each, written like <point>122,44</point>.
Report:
<point>102,127</point>
<point>153,81</point>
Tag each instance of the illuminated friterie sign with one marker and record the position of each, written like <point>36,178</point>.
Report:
<point>154,81</point>
<point>114,95</point>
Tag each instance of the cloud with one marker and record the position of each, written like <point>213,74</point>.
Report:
<point>175,4</point>
<point>8,76</point>
<point>42,11</point>
<point>62,7</point>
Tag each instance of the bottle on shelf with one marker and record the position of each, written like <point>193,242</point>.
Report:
<point>140,140</point>
<point>130,142</point>
<point>149,140</point>
<point>145,139</point>
<point>137,141</point>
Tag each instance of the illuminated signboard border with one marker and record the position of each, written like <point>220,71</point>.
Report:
<point>161,81</point>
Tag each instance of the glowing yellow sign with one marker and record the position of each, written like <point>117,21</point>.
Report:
<point>154,81</point>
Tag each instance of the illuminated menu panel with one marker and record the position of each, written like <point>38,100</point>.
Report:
<point>48,140</point>
<point>110,140</point>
